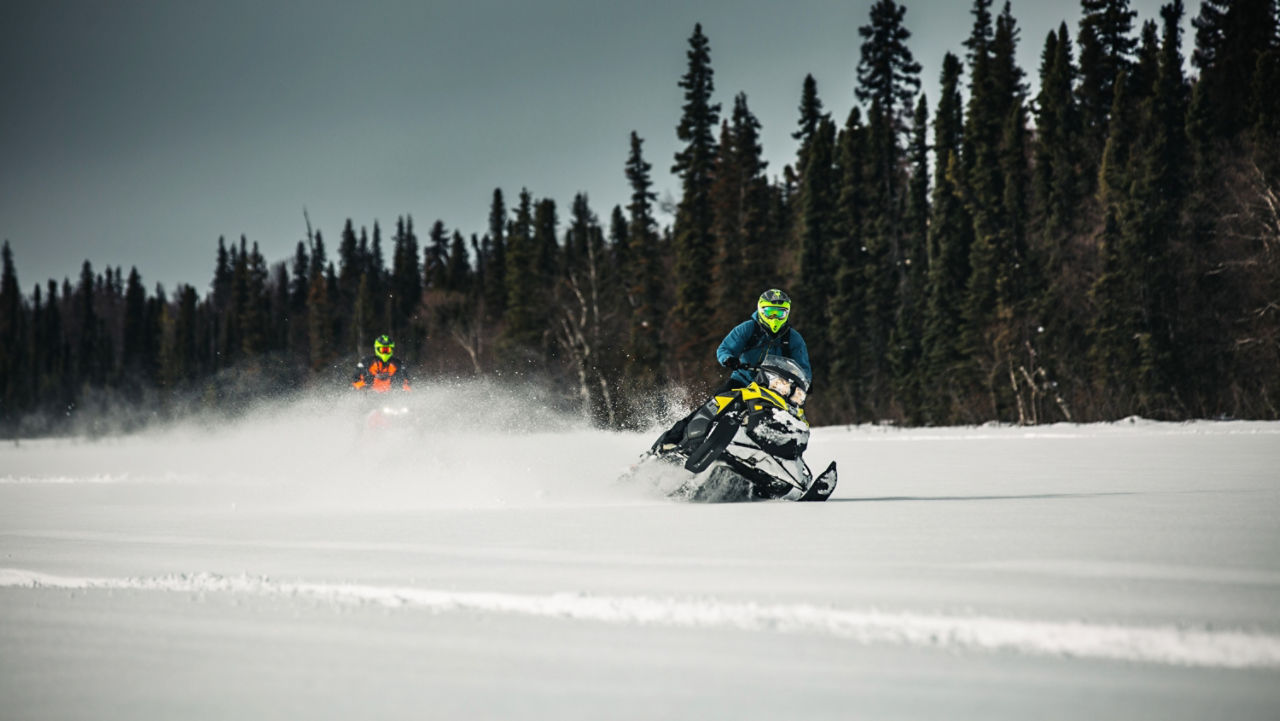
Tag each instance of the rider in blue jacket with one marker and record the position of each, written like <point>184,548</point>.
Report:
<point>765,333</point>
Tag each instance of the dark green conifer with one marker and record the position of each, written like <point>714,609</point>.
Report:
<point>135,340</point>
<point>522,336</point>
<point>495,290</point>
<point>350,264</point>
<point>817,230</point>
<point>811,116</point>
<point>545,229</point>
<point>458,270</point>
<point>887,73</point>
<point>1231,35</point>
<point>254,323</point>
<point>693,242</point>
<point>950,237</point>
<point>320,323</point>
<point>649,304</point>
<point>406,277</point>
<point>1057,185</point>
<point>435,263</point>
<point>89,366</point>
<point>1106,51</point>
<point>905,346</point>
<point>618,245</point>
<point>15,366</point>
<point>222,278</point>
<point>1142,258</point>
<point>740,192</point>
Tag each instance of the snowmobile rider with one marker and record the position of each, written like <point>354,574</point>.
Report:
<point>766,333</point>
<point>382,370</point>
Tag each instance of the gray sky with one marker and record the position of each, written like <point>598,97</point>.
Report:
<point>136,133</point>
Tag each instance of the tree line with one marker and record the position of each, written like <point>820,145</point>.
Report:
<point>1108,246</point>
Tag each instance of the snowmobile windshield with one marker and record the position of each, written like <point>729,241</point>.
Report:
<point>785,377</point>
<point>782,366</point>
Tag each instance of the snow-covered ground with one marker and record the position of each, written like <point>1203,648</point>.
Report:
<point>488,565</point>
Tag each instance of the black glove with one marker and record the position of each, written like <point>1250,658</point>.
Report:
<point>732,363</point>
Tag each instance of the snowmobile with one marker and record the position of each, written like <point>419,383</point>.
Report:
<point>387,417</point>
<point>748,443</point>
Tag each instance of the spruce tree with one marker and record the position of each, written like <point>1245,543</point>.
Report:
<point>1231,36</point>
<point>177,346</point>
<point>33,343</point>
<point>812,291</point>
<point>254,322</point>
<point>740,194</point>
<point>760,255</point>
<point>435,257</point>
<point>364,316</point>
<point>135,340</point>
<point>995,160</point>
<point>881,245</point>
<point>836,258</point>
<point>278,311</point>
<point>1106,51</point>
<point>1150,215</point>
<point>649,304</point>
<point>693,242</point>
<point>320,323</point>
<point>89,368</point>
<point>1057,185</point>
<point>578,237</point>
<point>618,245</point>
<point>350,264</point>
<point>458,269</point>
<point>14,363</point>
<point>222,278</point>
<point>53,383</point>
<point>888,78</point>
<point>545,228</point>
<point>950,236</point>
<point>495,290</point>
<point>406,277</point>
<point>10,302</point>
<point>887,73</point>
<point>905,341</point>
<point>726,227</point>
<point>522,336</point>
<point>1114,323</point>
<point>811,116</point>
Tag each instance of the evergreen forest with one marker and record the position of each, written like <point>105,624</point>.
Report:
<point>1108,246</point>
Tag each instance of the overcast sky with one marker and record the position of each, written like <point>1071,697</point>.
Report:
<point>137,133</point>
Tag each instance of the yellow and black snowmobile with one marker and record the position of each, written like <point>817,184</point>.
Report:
<point>748,443</point>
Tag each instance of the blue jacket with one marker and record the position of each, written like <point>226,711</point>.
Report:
<point>735,344</point>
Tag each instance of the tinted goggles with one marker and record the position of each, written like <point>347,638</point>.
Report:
<point>775,312</point>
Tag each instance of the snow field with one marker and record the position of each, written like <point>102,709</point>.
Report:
<point>1128,570</point>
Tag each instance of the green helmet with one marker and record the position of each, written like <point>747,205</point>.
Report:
<point>773,309</point>
<point>384,347</point>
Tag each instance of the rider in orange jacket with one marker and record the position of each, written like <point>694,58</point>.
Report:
<point>382,371</point>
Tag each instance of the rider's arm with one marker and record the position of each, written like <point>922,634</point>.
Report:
<point>402,372</point>
<point>358,379</point>
<point>800,352</point>
<point>735,343</point>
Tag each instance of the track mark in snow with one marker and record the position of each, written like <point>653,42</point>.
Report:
<point>1144,644</point>
<point>99,478</point>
